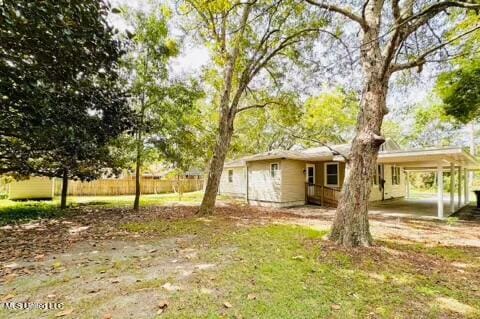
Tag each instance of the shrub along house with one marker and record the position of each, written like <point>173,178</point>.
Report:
<point>284,178</point>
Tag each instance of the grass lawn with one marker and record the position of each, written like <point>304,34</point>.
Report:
<point>239,263</point>
<point>21,211</point>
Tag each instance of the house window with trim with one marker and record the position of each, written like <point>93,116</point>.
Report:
<point>230,175</point>
<point>274,169</point>
<point>331,174</point>
<point>395,175</point>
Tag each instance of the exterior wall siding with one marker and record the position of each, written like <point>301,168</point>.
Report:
<point>293,182</point>
<point>288,187</point>
<point>391,191</point>
<point>238,186</point>
<point>262,187</point>
<point>32,188</point>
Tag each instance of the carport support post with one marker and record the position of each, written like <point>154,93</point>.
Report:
<point>465,186</point>
<point>459,187</point>
<point>440,191</point>
<point>452,186</point>
<point>407,185</point>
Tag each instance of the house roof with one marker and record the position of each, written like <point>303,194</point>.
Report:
<point>236,163</point>
<point>390,153</point>
<point>426,158</point>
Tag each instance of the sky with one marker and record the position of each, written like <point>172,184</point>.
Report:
<point>194,57</point>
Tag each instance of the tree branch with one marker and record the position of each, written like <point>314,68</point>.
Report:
<point>257,106</point>
<point>421,58</point>
<point>333,8</point>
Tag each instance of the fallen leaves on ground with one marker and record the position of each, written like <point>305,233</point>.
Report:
<point>64,313</point>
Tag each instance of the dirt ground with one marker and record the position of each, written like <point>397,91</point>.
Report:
<point>80,258</point>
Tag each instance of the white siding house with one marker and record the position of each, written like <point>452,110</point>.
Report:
<point>288,178</point>
<point>233,180</point>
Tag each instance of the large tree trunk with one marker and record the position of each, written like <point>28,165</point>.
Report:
<point>228,110</point>
<point>216,165</point>
<point>350,226</point>
<point>63,200</point>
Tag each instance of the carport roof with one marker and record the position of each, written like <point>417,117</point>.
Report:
<point>429,158</point>
<point>425,158</point>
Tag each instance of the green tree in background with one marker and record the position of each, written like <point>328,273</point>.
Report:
<point>394,36</point>
<point>432,127</point>
<point>331,116</point>
<point>460,87</point>
<point>328,118</point>
<point>164,108</point>
<point>250,44</point>
<point>460,91</point>
<point>61,103</point>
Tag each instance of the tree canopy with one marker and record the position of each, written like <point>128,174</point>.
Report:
<point>59,88</point>
<point>459,88</point>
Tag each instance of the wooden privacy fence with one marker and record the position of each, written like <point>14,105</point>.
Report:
<point>127,186</point>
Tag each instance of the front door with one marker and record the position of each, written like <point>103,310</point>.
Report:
<point>310,179</point>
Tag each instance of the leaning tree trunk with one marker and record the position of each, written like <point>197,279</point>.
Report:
<point>216,165</point>
<point>350,226</point>
<point>63,200</point>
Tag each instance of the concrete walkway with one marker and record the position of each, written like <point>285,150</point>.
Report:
<point>424,207</point>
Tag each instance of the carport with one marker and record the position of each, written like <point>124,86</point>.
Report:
<point>455,160</point>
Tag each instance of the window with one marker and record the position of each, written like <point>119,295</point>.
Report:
<point>331,174</point>
<point>395,175</point>
<point>311,174</point>
<point>274,169</point>
<point>230,175</point>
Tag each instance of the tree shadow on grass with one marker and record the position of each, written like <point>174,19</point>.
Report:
<point>92,203</point>
<point>23,212</point>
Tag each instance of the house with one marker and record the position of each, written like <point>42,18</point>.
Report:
<point>38,188</point>
<point>284,178</point>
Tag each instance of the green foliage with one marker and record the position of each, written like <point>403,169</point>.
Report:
<point>460,91</point>
<point>331,116</point>
<point>251,45</point>
<point>58,66</point>
<point>460,88</point>
<point>432,126</point>
<point>265,129</point>
<point>164,108</point>
<point>327,118</point>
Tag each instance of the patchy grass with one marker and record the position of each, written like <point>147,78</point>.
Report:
<point>234,265</point>
<point>283,271</point>
<point>23,211</point>
<point>13,212</point>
